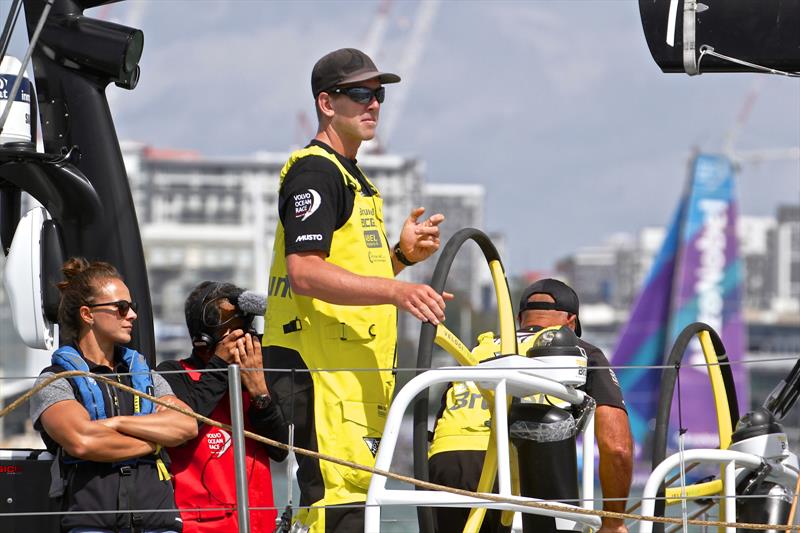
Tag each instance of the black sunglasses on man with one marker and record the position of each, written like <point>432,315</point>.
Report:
<point>361,95</point>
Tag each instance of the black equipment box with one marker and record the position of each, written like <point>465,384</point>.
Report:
<point>24,487</point>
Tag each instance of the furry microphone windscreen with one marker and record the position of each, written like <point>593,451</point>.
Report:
<point>252,303</point>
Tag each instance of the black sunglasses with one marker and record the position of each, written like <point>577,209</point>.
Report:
<point>361,95</point>
<point>123,306</point>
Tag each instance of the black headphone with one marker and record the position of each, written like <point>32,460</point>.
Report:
<point>214,291</point>
<point>204,339</point>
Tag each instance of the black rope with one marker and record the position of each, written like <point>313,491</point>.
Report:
<point>681,430</point>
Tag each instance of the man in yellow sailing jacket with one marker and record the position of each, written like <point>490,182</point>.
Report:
<point>333,298</point>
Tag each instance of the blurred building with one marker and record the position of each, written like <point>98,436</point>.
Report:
<point>759,282</point>
<point>611,273</point>
<point>591,272</point>
<point>783,257</point>
<point>463,207</point>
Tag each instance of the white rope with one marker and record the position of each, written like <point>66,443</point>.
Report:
<point>465,368</point>
<point>709,50</point>
<point>426,485</point>
<point>684,509</point>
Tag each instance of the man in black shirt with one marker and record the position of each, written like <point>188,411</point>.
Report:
<point>549,302</point>
<point>460,438</point>
<point>333,295</point>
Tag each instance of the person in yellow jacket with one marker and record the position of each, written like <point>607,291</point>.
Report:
<point>461,433</point>
<point>333,297</point>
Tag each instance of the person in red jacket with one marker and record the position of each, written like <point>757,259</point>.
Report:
<point>203,468</point>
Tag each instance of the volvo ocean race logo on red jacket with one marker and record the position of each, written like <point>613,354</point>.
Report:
<point>218,442</point>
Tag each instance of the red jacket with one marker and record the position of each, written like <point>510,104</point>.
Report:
<point>204,477</point>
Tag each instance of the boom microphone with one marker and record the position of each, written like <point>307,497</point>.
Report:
<point>252,303</point>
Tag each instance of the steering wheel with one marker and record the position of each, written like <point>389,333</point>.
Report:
<point>446,339</point>
<point>725,403</point>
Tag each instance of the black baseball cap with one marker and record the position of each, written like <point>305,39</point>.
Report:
<point>346,65</point>
<point>565,299</point>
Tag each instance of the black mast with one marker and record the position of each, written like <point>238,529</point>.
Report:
<point>75,59</point>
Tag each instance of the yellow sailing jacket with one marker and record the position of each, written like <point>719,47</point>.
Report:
<point>350,407</point>
<point>465,420</point>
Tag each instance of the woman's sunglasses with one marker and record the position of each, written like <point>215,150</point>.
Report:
<point>123,306</point>
<point>361,95</point>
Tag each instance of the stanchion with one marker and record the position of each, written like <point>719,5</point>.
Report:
<point>237,434</point>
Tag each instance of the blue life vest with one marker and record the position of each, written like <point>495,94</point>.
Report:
<point>68,358</point>
<point>126,486</point>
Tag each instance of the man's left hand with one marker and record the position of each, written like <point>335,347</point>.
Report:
<point>419,240</point>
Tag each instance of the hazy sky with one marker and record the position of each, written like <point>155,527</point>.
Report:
<point>555,107</point>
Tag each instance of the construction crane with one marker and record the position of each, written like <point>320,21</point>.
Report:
<point>753,156</point>
<point>415,45</point>
<point>373,42</point>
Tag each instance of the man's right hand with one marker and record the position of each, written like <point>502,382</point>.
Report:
<point>251,360</point>
<point>421,301</point>
<point>226,349</point>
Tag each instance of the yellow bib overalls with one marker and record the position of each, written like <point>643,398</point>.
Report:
<point>349,407</point>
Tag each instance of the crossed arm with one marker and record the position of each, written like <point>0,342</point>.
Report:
<point>118,438</point>
<point>166,426</point>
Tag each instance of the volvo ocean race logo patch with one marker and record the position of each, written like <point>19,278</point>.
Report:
<point>306,203</point>
<point>218,442</point>
<point>372,444</point>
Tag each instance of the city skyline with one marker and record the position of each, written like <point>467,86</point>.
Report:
<point>622,261</point>
<point>189,220</point>
<point>752,230</point>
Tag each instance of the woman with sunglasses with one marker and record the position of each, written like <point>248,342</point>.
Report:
<point>107,442</point>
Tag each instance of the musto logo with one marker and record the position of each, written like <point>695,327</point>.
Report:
<point>308,237</point>
<point>218,442</point>
<point>376,257</point>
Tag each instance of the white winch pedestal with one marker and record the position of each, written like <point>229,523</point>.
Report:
<point>512,375</point>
